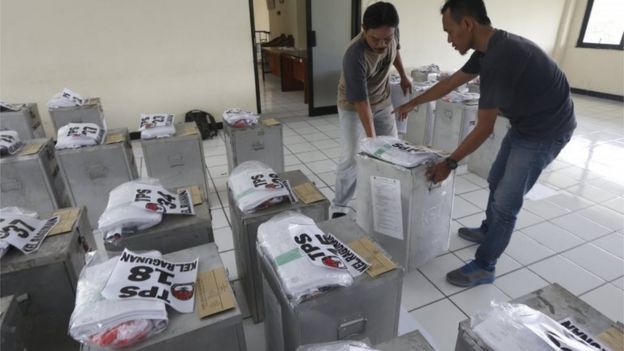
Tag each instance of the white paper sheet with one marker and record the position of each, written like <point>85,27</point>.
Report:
<point>387,211</point>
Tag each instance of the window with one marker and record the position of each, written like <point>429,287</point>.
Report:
<point>603,25</point>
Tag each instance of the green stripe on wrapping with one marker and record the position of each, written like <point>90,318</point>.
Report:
<point>382,150</point>
<point>287,256</point>
<point>245,193</point>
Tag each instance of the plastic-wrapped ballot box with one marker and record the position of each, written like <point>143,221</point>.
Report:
<point>24,119</point>
<point>453,121</point>
<point>245,231</point>
<point>174,233</point>
<point>420,123</point>
<point>177,161</point>
<point>481,160</point>
<point>413,341</point>
<point>261,142</point>
<point>45,281</point>
<point>31,178</point>
<point>11,319</point>
<point>186,331</point>
<point>91,172</point>
<point>369,308</point>
<point>89,112</point>
<point>561,306</point>
<point>408,215</point>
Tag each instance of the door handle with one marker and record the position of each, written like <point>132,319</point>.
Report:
<point>176,160</point>
<point>351,328</point>
<point>257,145</point>
<point>97,171</point>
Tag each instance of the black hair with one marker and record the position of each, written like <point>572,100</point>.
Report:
<point>462,8</point>
<point>380,14</point>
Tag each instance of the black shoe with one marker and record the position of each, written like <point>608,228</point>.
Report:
<point>471,234</point>
<point>338,214</point>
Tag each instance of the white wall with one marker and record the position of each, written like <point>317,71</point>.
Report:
<point>139,56</point>
<point>261,15</point>
<point>290,20</point>
<point>591,69</point>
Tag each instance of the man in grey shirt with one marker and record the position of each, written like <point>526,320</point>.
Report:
<point>364,106</point>
<point>522,83</point>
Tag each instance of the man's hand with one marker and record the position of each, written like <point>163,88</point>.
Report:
<point>402,111</point>
<point>438,172</point>
<point>406,86</point>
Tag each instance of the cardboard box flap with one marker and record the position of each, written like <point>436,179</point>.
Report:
<point>613,337</point>
<point>31,149</point>
<point>370,252</point>
<point>114,138</point>
<point>68,218</point>
<point>270,122</point>
<point>188,128</point>
<point>196,194</point>
<point>308,193</point>
<point>214,294</point>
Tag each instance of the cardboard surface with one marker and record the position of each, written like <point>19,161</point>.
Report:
<point>188,128</point>
<point>213,293</point>
<point>196,194</point>
<point>614,338</point>
<point>308,193</point>
<point>68,217</point>
<point>31,149</point>
<point>114,138</point>
<point>370,252</point>
<point>269,122</point>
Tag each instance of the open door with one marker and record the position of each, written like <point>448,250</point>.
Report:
<point>331,24</point>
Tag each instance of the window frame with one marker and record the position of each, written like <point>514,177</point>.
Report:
<point>581,44</point>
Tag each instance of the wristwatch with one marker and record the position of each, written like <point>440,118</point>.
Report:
<point>450,163</point>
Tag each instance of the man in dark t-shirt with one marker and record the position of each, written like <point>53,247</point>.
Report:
<point>519,81</point>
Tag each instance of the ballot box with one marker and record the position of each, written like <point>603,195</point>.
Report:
<point>89,112</point>
<point>261,142</point>
<point>245,230</point>
<point>31,179</point>
<point>91,172</point>
<point>11,319</point>
<point>480,161</point>
<point>406,213</point>
<point>368,308</point>
<point>453,121</point>
<point>177,161</point>
<point>45,281</point>
<point>24,119</point>
<point>413,341</point>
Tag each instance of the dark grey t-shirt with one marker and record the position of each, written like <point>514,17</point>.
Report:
<point>519,79</point>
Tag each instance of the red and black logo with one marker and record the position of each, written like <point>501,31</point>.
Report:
<point>183,292</point>
<point>333,262</point>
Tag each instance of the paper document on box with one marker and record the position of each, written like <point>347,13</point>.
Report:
<point>387,211</point>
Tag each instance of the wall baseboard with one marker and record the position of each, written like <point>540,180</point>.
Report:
<point>597,94</point>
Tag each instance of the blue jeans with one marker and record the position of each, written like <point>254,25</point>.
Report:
<point>517,167</point>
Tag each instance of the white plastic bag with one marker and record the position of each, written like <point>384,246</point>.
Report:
<point>255,185</point>
<point>121,217</point>
<point>157,125</point>
<point>239,118</point>
<point>111,323</point>
<point>399,152</point>
<point>465,97</point>
<point>299,277</point>
<point>10,142</point>
<point>76,135</point>
<point>66,98</point>
<point>336,346</point>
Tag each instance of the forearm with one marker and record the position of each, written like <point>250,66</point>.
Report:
<point>398,64</point>
<point>365,114</point>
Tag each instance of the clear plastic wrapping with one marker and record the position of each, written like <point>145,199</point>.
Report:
<point>65,98</point>
<point>111,323</point>
<point>336,346</point>
<point>299,277</point>
<point>398,151</point>
<point>425,73</point>
<point>517,327</point>
<point>75,135</point>
<point>239,118</point>
<point>157,126</point>
<point>463,97</point>
<point>255,185</point>
<point>10,142</point>
<point>120,217</point>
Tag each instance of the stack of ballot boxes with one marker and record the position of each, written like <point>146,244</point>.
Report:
<point>405,212</point>
<point>177,161</point>
<point>245,231</point>
<point>44,282</point>
<point>24,119</point>
<point>89,112</point>
<point>31,178</point>
<point>11,319</point>
<point>562,307</point>
<point>91,172</point>
<point>261,142</point>
<point>216,323</point>
<point>174,233</point>
<point>453,122</point>
<point>366,309</point>
<point>481,160</point>
<point>413,341</point>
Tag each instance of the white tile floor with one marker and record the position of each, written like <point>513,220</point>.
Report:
<point>574,237</point>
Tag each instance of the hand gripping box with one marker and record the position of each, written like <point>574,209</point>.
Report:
<point>245,231</point>
<point>89,112</point>
<point>174,233</point>
<point>222,331</point>
<point>480,161</point>
<point>25,120</point>
<point>177,161</point>
<point>413,341</point>
<point>91,172</point>
<point>563,307</point>
<point>31,178</point>
<point>369,308</point>
<point>261,142</point>
<point>45,281</point>
<point>453,121</point>
<point>412,227</point>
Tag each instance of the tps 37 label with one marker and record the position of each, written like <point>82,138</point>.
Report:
<point>143,277</point>
<point>24,232</point>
